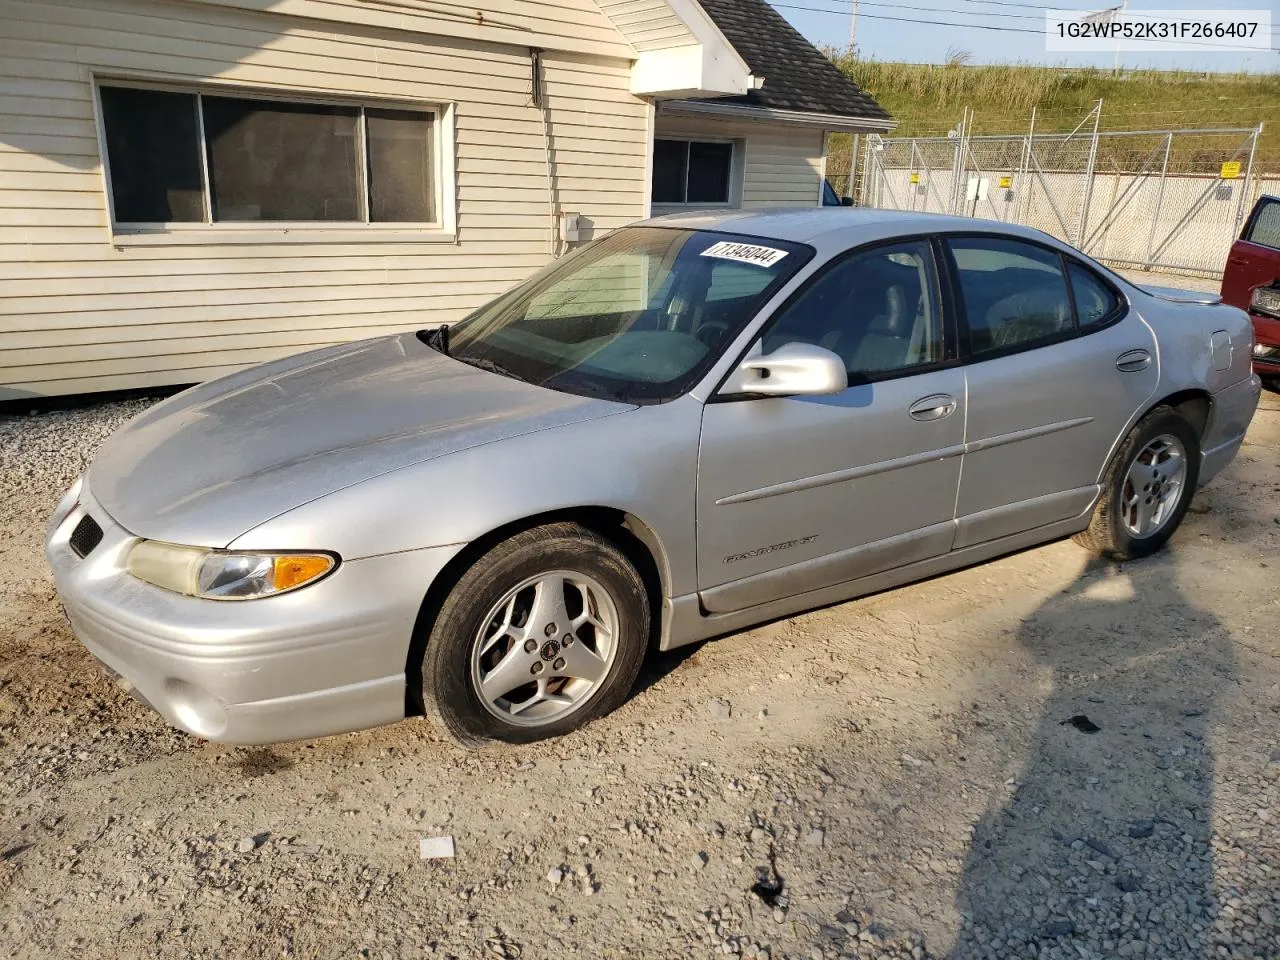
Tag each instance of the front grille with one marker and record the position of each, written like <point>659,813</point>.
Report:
<point>85,536</point>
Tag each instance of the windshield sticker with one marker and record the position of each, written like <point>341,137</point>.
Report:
<point>745,253</point>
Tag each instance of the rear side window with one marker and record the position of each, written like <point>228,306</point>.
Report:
<point>1095,302</point>
<point>1015,294</point>
<point>1264,229</point>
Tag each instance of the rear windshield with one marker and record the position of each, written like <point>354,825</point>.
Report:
<point>638,316</point>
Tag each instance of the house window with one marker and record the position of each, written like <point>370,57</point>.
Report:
<point>690,171</point>
<point>190,157</point>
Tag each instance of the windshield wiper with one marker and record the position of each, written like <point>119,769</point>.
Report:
<point>489,365</point>
<point>437,339</point>
<point>589,388</point>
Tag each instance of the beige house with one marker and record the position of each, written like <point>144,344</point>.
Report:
<point>188,187</point>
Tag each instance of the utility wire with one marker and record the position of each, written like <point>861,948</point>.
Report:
<point>989,27</point>
<point>1136,14</point>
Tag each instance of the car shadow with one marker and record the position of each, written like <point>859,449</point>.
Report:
<point>1106,829</point>
<point>660,664</point>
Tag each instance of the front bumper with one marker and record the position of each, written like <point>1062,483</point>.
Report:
<point>329,658</point>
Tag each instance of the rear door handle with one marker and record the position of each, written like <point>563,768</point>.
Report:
<point>935,407</point>
<point>1132,361</point>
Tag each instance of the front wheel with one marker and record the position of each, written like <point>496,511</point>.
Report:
<point>1146,489</point>
<point>542,634</point>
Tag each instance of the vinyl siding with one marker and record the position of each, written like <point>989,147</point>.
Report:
<point>574,25</point>
<point>79,314</point>
<point>782,165</point>
<point>648,24</point>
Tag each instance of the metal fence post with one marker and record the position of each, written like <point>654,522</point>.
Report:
<point>1024,174</point>
<point>1155,217</point>
<point>1248,172</point>
<point>1088,177</point>
<point>853,165</point>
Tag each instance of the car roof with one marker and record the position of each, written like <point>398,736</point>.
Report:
<point>809,224</point>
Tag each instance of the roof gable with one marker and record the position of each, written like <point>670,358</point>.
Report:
<point>796,75</point>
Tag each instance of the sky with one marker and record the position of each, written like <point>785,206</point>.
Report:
<point>826,22</point>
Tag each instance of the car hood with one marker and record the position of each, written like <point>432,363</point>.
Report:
<point>211,463</point>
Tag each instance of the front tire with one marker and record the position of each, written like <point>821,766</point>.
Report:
<point>544,633</point>
<point>1146,489</point>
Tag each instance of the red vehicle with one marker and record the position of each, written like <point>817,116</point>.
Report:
<point>1252,282</point>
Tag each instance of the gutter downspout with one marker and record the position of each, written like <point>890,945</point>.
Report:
<point>553,187</point>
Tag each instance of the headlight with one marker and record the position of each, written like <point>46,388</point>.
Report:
<point>224,574</point>
<point>65,505</point>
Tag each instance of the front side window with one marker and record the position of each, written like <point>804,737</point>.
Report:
<point>638,316</point>
<point>190,157</point>
<point>691,172</point>
<point>1015,294</point>
<point>878,310</point>
<point>1264,229</point>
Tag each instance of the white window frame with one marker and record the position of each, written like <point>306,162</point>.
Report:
<point>735,173</point>
<point>444,176</point>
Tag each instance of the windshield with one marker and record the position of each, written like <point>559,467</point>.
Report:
<point>638,316</point>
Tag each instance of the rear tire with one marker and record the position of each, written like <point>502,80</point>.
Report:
<point>544,633</point>
<point>1140,507</point>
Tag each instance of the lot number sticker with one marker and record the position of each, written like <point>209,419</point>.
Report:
<point>745,253</point>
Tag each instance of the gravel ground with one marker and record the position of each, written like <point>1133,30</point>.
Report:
<point>889,778</point>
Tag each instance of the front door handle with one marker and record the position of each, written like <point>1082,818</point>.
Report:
<point>1132,361</point>
<point>936,407</point>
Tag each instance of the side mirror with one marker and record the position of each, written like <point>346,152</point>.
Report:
<point>846,201</point>
<point>793,370</point>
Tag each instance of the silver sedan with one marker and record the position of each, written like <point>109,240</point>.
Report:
<point>696,424</point>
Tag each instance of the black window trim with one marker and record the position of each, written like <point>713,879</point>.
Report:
<point>968,356</point>
<point>731,202</point>
<point>1254,216</point>
<point>951,356</point>
<point>443,181</point>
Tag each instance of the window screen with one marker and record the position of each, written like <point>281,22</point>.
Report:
<point>691,172</point>
<point>709,172</point>
<point>1265,229</point>
<point>1014,293</point>
<point>266,160</point>
<point>153,153</point>
<point>670,170</point>
<point>400,186</point>
<point>282,161</point>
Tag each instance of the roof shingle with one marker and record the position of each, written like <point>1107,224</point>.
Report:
<point>796,75</point>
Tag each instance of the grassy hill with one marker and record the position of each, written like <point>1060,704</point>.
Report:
<point>927,99</point>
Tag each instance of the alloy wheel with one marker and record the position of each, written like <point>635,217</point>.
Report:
<point>1153,486</point>
<point>544,648</point>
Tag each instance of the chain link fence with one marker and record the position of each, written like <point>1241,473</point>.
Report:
<point>1164,199</point>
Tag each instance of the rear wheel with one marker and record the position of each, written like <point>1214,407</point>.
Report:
<point>542,634</point>
<point>1146,489</point>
